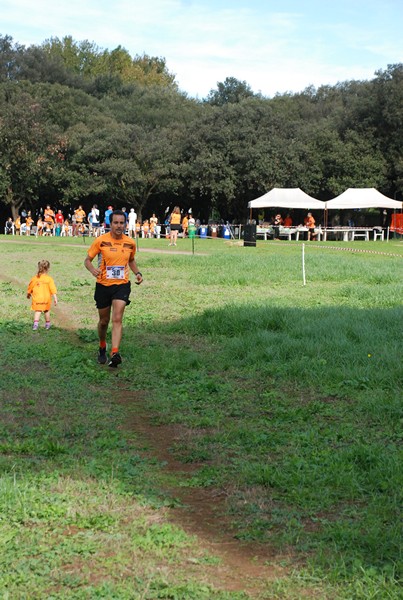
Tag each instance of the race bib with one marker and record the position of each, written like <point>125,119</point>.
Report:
<point>115,272</point>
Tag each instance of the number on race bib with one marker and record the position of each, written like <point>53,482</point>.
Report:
<point>115,272</point>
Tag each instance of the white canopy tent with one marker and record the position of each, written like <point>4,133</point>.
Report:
<point>286,198</point>
<point>362,198</point>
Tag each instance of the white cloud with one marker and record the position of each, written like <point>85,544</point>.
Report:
<point>205,41</point>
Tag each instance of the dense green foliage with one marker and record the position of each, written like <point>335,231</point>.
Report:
<point>82,124</point>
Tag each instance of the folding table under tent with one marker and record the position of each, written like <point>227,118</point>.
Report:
<point>354,198</point>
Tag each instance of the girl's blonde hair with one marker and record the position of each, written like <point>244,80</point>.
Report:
<point>43,267</point>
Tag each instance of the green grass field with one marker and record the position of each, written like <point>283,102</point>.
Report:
<point>282,400</point>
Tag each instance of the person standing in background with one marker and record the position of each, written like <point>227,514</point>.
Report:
<point>107,218</point>
<point>153,225</point>
<point>93,220</point>
<point>175,225</point>
<point>310,223</point>
<point>59,220</point>
<point>277,222</point>
<point>132,223</point>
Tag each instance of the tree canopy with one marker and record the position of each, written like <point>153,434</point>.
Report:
<point>80,124</point>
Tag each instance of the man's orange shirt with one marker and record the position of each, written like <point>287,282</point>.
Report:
<point>48,215</point>
<point>114,256</point>
<point>80,215</point>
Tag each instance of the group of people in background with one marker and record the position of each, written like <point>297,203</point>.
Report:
<point>278,221</point>
<point>55,223</point>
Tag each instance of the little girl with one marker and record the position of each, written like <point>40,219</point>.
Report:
<point>41,288</point>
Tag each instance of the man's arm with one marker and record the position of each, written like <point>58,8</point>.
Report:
<point>134,268</point>
<point>90,267</point>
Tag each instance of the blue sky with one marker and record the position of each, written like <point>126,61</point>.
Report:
<point>276,46</point>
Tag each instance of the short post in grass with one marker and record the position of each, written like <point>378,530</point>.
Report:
<point>303,264</point>
<point>192,235</point>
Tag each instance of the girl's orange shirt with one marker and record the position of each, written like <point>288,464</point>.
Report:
<point>41,288</point>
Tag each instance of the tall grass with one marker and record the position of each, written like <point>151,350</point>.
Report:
<point>288,397</point>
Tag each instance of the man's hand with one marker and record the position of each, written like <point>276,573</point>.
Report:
<point>88,265</point>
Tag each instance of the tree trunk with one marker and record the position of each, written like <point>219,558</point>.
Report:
<point>14,204</point>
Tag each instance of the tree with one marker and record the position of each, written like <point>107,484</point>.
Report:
<point>125,163</point>
<point>31,147</point>
<point>230,91</point>
<point>9,58</point>
<point>80,58</point>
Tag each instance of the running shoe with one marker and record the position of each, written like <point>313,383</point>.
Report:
<point>35,326</point>
<point>47,325</point>
<point>115,360</point>
<point>102,358</point>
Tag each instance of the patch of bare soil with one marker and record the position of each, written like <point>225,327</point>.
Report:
<point>202,511</point>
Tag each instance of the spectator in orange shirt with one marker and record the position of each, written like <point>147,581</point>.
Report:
<point>175,225</point>
<point>185,225</point>
<point>288,221</point>
<point>40,224</point>
<point>48,215</point>
<point>146,229</point>
<point>310,223</point>
<point>80,215</point>
<point>41,288</point>
<point>17,225</point>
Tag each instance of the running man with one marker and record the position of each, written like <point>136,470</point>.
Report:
<point>115,253</point>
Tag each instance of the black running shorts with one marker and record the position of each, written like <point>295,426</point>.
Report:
<point>104,294</point>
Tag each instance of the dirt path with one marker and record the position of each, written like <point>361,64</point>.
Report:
<point>243,566</point>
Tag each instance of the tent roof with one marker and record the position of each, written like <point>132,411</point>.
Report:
<point>363,198</point>
<point>286,198</point>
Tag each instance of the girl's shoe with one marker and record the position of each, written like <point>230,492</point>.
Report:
<point>35,326</point>
<point>47,325</point>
